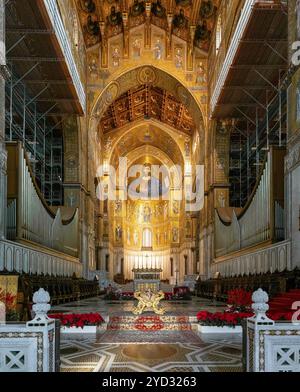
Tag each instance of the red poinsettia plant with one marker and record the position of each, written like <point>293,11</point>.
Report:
<point>9,300</point>
<point>78,320</point>
<point>239,300</point>
<point>280,316</point>
<point>221,319</point>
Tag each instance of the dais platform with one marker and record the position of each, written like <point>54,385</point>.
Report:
<point>151,322</point>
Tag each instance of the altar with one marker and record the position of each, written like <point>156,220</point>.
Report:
<point>147,278</point>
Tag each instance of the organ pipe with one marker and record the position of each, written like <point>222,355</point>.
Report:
<point>262,219</point>
<point>28,211</point>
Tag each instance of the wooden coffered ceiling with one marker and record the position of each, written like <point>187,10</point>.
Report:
<point>107,17</point>
<point>147,102</point>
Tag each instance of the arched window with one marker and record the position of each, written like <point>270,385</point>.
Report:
<point>218,34</point>
<point>147,238</point>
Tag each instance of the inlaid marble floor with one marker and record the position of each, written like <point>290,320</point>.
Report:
<point>153,351</point>
<point>212,355</point>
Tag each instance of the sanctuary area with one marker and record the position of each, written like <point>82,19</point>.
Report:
<point>149,185</point>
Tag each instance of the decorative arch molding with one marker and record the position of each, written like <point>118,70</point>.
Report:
<point>158,154</point>
<point>153,151</point>
<point>142,125</point>
<point>148,74</point>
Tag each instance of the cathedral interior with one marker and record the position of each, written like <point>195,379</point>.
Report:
<point>203,97</point>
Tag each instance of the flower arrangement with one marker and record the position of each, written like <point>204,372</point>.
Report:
<point>239,307</point>
<point>78,320</point>
<point>280,316</point>
<point>182,293</point>
<point>9,301</point>
<point>239,300</point>
<point>168,296</point>
<point>221,319</point>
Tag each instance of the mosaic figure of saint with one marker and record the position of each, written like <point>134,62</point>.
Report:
<point>115,18</point>
<point>178,58</point>
<point>180,20</point>
<point>135,238</point>
<point>158,10</point>
<point>119,233</point>
<point>175,234</point>
<point>200,74</point>
<point>92,26</point>
<point>136,48</point>
<point>147,214</point>
<point>158,50</point>
<point>116,57</point>
<point>137,8</point>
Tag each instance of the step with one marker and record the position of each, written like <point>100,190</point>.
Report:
<point>129,322</point>
<point>152,318</point>
<point>149,327</point>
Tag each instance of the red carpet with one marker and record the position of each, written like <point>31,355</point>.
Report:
<point>281,305</point>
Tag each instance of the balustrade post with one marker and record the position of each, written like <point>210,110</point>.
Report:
<point>254,354</point>
<point>43,325</point>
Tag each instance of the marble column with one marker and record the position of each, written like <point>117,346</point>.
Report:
<point>3,154</point>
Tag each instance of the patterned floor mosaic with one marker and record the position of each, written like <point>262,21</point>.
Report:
<point>121,350</point>
<point>214,355</point>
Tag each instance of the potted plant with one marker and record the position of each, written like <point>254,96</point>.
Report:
<point>79,323</point>
<point>9,301</point>
<point>219,322</point>
<point>239,300</point>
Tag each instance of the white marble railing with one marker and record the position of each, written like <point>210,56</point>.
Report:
<point>19,257</point>
<point>30,347</point>
<point>255,261</point>
<point>271,346</point>
<point>278,348</point>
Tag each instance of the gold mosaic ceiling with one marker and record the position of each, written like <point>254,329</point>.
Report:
<point>147,140</point>
<point>147,102</point>
<point>107,17</point>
